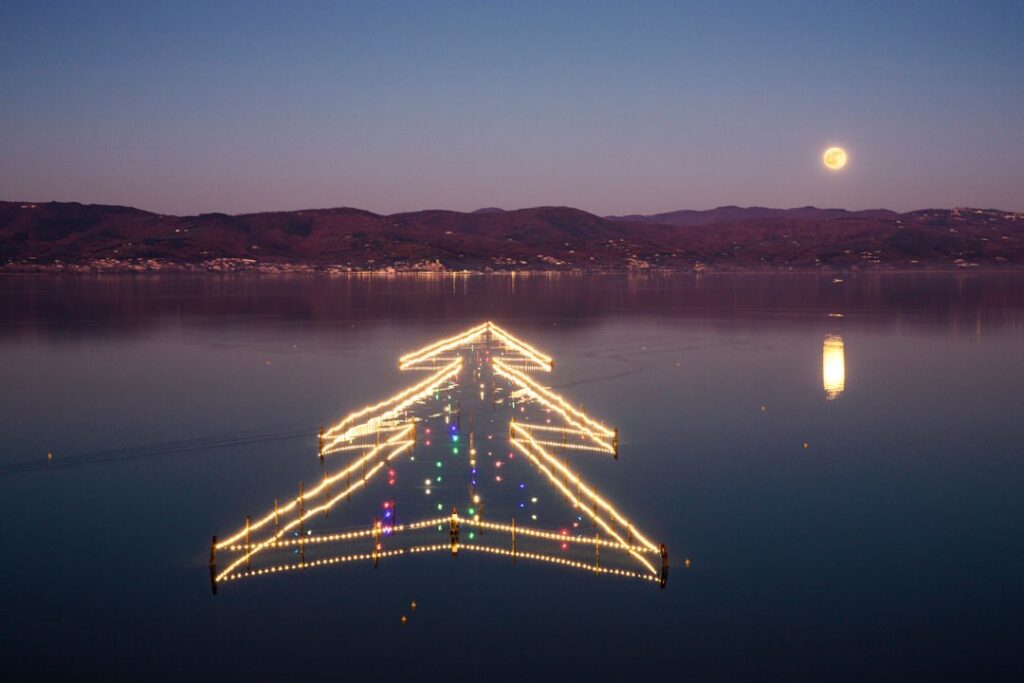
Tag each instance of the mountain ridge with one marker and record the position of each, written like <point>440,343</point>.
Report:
<point>74,236</point>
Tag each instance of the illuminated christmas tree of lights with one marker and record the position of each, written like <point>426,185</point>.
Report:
<point>471,459</point>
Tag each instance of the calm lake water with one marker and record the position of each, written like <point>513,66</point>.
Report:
<point>840,462</point>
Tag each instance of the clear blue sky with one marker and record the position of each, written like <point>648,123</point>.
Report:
<point>612,107</point>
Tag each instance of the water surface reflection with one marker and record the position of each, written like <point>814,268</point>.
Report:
<point>173,407</point>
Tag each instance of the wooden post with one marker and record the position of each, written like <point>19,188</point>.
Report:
<point>376,542</point>
<point>513,539</point>
<point>302,524</point>
<point>327,496</point>
<point>248,549</point>
<point>453,531</point>
<point>615,443</point>
<point>664,565</point>
<point>213,565</point>
<point>320,445</point>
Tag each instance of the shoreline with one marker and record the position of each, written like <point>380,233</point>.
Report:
<point>248,266</point>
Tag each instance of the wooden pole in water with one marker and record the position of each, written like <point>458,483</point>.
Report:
<point>376,542</point>
<point>213,565</point>
<point>453,531</point>
<point>248,548</point>
<point>302,524</point>
<point>664,565</point>
<point>327,495</point>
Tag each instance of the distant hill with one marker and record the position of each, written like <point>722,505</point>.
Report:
<point>72,236</point>
<point>735,214</point>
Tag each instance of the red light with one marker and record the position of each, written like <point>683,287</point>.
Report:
<point>565,546</point>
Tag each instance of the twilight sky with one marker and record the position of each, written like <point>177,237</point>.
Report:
<point>611,107</point>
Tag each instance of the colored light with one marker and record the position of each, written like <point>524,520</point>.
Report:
<point>400,439</point>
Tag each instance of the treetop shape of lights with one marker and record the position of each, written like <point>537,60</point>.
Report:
<point>471,375</point>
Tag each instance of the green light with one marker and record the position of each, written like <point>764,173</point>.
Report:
<point>471,535</point>
<point>455,438</point>
<point>472,511</point>
<point>439,507</point>
<point>455,451</point>
<point>438,463</point>
<point>439,480</point>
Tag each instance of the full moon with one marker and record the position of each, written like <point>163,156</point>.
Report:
<point>834,158</point>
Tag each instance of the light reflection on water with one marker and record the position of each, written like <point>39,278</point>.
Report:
<point>833,366</point>
<point>175,406</point>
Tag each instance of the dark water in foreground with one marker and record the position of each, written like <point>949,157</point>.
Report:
<point>890,547</point>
